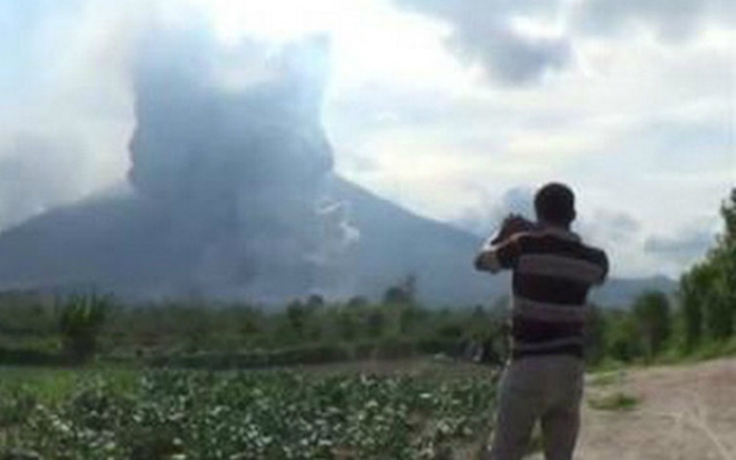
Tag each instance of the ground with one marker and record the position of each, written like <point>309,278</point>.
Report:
<point>685,412</point>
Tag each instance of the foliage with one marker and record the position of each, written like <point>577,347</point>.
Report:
<point>702,324</point>
<point>80,321</point>
<point>403,293</point>
<point>708,290</point>
<point>271,415</point>
<point>614,402</point>
<point>652,313</point>
<point>624,342</point>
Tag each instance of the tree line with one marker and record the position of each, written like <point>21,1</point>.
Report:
<point>698,319</point>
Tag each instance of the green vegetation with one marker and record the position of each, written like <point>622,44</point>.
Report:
<point>614,402</point>
<point>126,407</point>
<point>244,415</point>
<point>607,378</point>
<point>37,331</point>
<point>698,323</point>
<point>708,290</point>
<point>80,321</point>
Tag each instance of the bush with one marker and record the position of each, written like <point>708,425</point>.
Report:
<point>436,345</point>
<point>80,320</point>
<point>394,348</point>
<point>616,401</point>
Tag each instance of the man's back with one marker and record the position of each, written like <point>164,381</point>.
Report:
<point>553,272</point>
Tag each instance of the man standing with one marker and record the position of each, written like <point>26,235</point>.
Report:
<point>552,273</point>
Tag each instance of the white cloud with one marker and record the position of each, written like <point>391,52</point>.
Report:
<point>671,20</point>
<point>638,116</point>
<point>67,111</point>
<point>637,124</point>
<point>516,42</point>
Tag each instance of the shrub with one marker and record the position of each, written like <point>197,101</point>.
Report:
<point>80,320</point>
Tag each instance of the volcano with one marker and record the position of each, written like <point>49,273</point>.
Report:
<point>231,193</point>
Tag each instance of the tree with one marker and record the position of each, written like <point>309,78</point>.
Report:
<point>625,341</point>
<point>347,325</point>
<point>708,290</point>
<point>315,301</point>
<point>296,314</point>
<point>357,302</point>
<point>408,315</point>
<point>403,293</point>
<point>693,286</point>
<point>652,313</point>
<point>374,323</point>
<point>728,213</point>
<point>80,321</point>
<point>595,335</point>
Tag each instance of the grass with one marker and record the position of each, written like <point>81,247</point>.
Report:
<point>50,386</point>
<point>606,378</point>
<point>618,401</point>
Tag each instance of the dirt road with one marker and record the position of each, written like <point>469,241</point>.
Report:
<point>684,412</point>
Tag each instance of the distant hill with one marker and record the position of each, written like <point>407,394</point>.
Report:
<point>125,245</point>
<point>396,242</point>
<point>620,292</point>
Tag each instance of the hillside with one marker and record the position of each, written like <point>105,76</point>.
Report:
<point>127,245</point>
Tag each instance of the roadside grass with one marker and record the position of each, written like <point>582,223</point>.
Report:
<point>673,355</point>
<point>606,378</point>
<point>50,386</point>
<point>617,401</point>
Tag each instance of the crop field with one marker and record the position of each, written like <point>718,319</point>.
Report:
<point>287,414</point>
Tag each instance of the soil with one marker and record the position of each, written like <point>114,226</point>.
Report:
<point>684,412</point>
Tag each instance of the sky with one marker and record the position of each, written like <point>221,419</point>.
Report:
<point>457,110</point>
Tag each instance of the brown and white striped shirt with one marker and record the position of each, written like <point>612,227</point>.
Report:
<point>552,273</point>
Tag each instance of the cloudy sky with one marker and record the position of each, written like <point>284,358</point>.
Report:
<point>455,109</point>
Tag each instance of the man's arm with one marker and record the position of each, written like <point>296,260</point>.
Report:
<point>603,261</point>
<point>503,251</point>
<point>494,258</point>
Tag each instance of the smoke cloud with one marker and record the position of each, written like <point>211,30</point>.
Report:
<point>229,182</point>
<point>243,166</point>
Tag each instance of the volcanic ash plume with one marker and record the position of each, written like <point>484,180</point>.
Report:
<point>241,166</point>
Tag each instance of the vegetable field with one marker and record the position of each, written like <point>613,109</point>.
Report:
<point>245,415</point>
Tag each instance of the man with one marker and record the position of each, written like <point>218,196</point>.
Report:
<point>552,273</point>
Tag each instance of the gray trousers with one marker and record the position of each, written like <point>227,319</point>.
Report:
<point>546,388</point>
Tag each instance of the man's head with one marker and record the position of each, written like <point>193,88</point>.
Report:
<point>554,204</point>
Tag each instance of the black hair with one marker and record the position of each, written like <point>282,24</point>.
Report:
<point>555,203</point>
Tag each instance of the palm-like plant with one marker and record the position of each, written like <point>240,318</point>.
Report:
<point>81,318</point>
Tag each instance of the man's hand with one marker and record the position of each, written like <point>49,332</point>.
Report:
<point>513,224</point>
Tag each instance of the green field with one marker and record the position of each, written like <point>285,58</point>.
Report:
<point>438,411</point>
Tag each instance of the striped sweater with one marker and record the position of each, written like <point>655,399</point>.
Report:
<point>552,273</point>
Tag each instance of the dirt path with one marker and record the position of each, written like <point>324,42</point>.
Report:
<point>684,413</point>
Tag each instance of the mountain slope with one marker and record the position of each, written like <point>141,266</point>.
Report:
<point>395,243</point>
<point>135,248</point>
